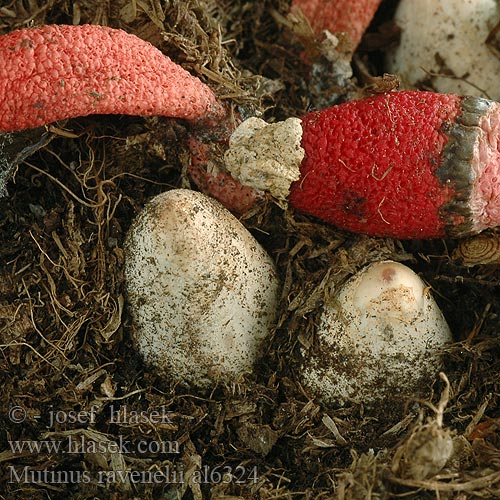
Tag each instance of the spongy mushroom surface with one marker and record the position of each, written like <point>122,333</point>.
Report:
<point>202,292</point>
<point>377,340</point>
<point>59,71</point>
<point>447,38</point>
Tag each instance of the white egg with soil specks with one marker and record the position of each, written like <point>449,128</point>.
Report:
<point>444,43</point>
<point>202,292</point>
<point>378,339</point>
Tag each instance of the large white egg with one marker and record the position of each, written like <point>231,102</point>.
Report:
<point>447,36</point>
<point>202,292</point>
<point>378,339</point>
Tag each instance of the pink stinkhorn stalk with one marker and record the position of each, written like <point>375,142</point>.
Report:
<point>55,72</point>
<point>349,16</point>
<point>219,184</point>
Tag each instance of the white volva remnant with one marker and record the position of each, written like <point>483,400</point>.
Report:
<point>266,156</point>
<point>202,292</point>
<point>378,339</point>
<point>447,38</point>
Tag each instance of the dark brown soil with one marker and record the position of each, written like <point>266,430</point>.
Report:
<point>68,370</point>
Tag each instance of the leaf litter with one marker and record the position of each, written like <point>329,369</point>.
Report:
<point>65,333</point>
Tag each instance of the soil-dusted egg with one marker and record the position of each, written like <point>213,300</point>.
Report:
<point>202,292</point>
<point>447,38</point>
<point>377,339</point>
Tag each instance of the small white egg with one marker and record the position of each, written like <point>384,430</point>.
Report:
<point>443,37</point>
<point>377,339</point>
<point>202,293</point>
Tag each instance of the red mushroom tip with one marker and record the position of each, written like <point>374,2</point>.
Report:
<point>351,17</point>
<point>404,165</point>
<point>55,72</point>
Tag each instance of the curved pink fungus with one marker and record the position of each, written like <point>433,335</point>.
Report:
<point>57,71</point>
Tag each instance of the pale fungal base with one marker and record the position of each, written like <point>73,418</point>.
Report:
<point>485,196</point>
<point>444,43</point>
<point>471,165</point>
<point>202,292</point>
<point>266,156</point>
<point>377,340</point>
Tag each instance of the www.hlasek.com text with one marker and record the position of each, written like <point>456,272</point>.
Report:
<point>79,443</point>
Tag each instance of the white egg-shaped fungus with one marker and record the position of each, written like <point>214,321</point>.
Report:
<point>202,292</point>
<point>377,340</point>
<point>444,43</point>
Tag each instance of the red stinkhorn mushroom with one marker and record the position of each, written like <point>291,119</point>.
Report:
<point>55,72</point>
<point>349,16</point>
<point>402,164</point>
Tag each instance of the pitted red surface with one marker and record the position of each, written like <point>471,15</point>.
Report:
<point>369,164</point>
<point>55,72</point>
<point>339,15</point>
<point>220,185</point>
